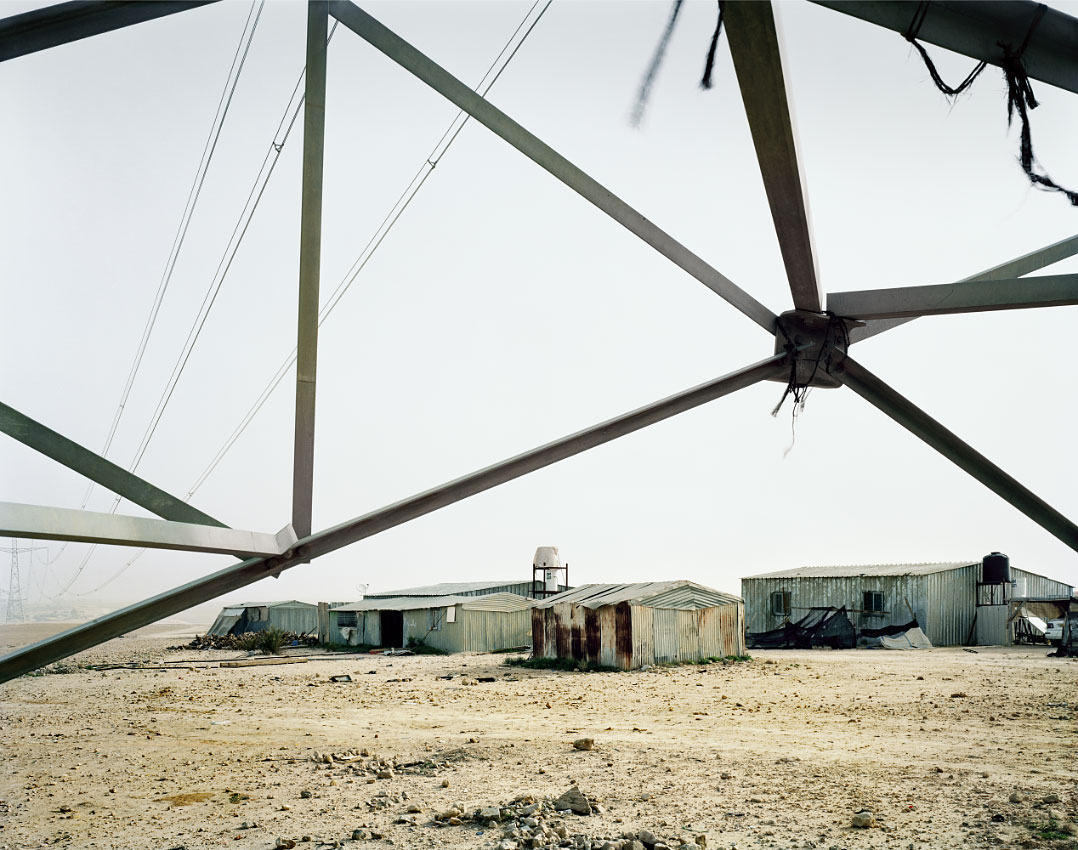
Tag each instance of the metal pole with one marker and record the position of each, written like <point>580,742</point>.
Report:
<point>757,53</point>
<point>310,251</point>
<point>963,297</point>
<point>917,422</point>
<point>49,523</point>
<point>121,482</point>
<point>546,157</point>
<point>247,572</point>
<point>52,26</point>
<point>976,28</point>
<point>1027,263</point>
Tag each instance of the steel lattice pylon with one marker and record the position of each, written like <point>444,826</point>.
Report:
<point>811,340</point>
<point>14,611</point>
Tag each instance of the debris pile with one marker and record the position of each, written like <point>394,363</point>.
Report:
<point>530,822</point>
<point>240,641</point>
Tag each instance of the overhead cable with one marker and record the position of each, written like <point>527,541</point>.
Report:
<point>239,59</point>
<point>440,148</point>
<point>425,170</point>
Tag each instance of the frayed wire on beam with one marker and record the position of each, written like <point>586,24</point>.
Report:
<point>1020,97</point>
<point>660,53</point>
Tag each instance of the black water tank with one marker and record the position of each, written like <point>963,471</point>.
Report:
<point>996,569</point>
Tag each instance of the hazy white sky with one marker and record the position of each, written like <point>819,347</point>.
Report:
<point>504,311</point>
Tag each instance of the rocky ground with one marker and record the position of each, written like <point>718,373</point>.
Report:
<point>940,748</point>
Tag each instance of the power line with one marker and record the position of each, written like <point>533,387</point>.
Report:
<point>239,59</point>
<point>425,170</point>
<point>273,155</point>
<point>239,230</point>
<point>398,208</point>
<point>208,149</point>
<point>193,195</point>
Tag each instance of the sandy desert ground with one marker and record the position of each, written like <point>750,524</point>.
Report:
<point>946,748</point>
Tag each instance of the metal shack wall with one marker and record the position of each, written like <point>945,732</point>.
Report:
<point>1031,584</point>
<point>295,618</point>
<point>368,627</point>
<point>631,636</point>
<point>601,635</point>
<point>946,605</point>
<point>943,602</point>
<point>483,631</point>
<point>687,635</point>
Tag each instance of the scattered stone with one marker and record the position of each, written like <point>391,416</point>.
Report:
<point>646,838</point>
<point>414,808</point>
<point>445,783</point>
<point>284,844</point>
<point>385,774</point>
<point>306,795</point>
<point>701,840</point>
<point>360,835</point>
<point>1016,797</point>
<point>584,744</point>
<point>574,801</point>
<point>863,819</point>
<point>1051,799</point>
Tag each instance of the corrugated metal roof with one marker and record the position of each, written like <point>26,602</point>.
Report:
<point>293,602</point>
<point>497,602</point>
<point>488,602</point>
<point>680,593</point>
<point>448,588</point>
<point>867,570</point>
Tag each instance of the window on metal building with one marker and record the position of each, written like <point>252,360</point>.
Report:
<point>780,603</point>
<point>873,602</point>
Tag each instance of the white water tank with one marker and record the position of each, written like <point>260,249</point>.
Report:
<point>547,559</point>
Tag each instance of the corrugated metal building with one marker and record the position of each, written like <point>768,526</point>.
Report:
<point>633,625</point>
<point>459,588</point>
<point>454,623</point>
<point>944,598</point>
<point>243,617</point>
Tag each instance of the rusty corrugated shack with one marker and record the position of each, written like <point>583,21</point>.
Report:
<point>634,625</point>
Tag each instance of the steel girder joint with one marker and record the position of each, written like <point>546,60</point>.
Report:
<point>816,344</point>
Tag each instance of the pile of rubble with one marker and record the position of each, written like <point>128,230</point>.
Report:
<point>239,641</point>
<point>529,822</point>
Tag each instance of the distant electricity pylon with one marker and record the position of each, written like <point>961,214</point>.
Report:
<point>14,612</point>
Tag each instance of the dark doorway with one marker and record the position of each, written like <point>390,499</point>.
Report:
<point>392,628</point>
